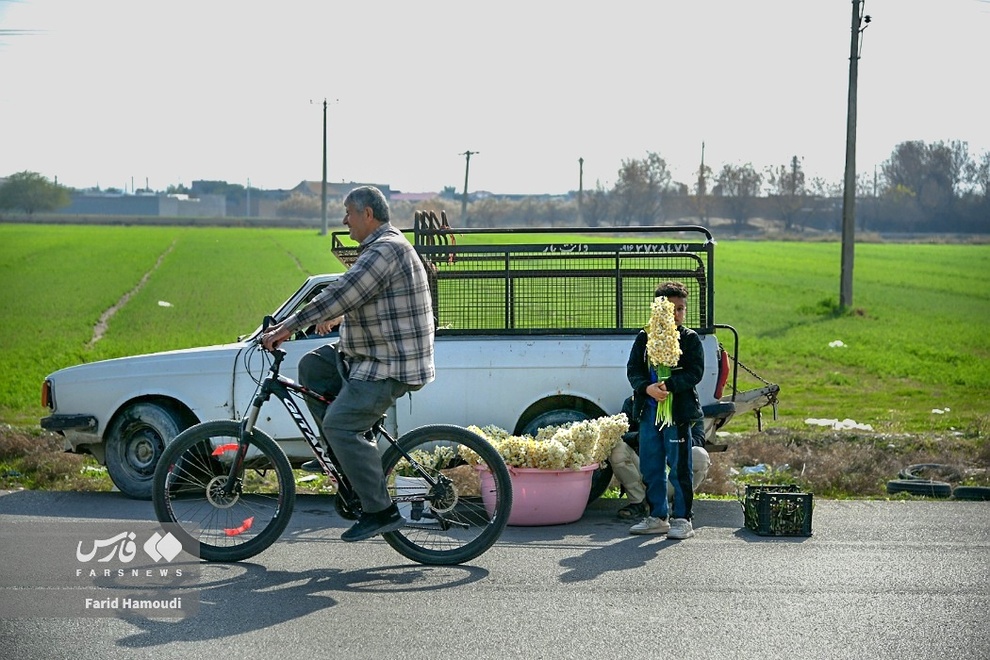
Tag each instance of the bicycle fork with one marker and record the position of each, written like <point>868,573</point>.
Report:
<point>240,450</point>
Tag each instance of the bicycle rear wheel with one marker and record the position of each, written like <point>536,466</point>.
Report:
<point>188,490</point>
<point>464,513</point>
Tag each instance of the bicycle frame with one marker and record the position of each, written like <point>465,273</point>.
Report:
<point>234,504</point>
<point>287,391</point>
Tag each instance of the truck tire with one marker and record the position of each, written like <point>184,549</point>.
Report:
<point>925,487</point>
<point>600,481</point>
<point>553,418</point>
<point>135,442</point>
<point>943,472</point>
<point>978,493</point>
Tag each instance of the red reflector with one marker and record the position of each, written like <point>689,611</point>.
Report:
<point>245,526</point>
<point>723,373</point>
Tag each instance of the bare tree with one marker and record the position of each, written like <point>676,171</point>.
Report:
<point>930,174</point>
<point>700,201</point>
<point>823,198</point>
<point>487,213</point>
<point>787,191</point>
<point>739,185</point>
<point>981,175</point>
<point>299,206</point>
<point>867,186</point>
<point>639,190</point>
<point>597,206</point>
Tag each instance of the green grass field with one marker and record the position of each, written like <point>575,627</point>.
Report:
<point>916,341</point>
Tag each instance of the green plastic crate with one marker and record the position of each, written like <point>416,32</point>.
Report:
<point>778,510</point>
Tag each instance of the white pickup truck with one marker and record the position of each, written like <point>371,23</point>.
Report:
<point>531,332</point>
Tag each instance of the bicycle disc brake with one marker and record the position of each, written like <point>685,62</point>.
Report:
<point>443,497</point>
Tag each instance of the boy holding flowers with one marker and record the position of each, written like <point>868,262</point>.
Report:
<point>665,365</point>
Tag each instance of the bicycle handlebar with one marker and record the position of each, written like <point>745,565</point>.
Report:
<point>279,354</point>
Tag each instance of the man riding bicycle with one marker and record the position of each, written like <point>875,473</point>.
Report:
<point>385,350</point>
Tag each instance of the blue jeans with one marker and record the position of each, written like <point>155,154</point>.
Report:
<point>658,450</point>
<point>357,406</point>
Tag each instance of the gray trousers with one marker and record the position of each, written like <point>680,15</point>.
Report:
<point>357,406</point>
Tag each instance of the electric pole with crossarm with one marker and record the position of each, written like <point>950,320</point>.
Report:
<point>859,23</point>
<point>464,197</point>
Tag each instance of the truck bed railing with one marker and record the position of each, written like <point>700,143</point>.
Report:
<point>525,281</point>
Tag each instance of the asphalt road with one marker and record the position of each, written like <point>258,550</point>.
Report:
<point>876,580</point>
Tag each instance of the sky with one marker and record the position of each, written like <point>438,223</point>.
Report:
<point>146,93</point>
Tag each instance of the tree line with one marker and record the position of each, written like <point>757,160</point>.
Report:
<point>921,187</point>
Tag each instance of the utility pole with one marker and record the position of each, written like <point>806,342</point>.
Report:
<point>849,184</point>
<point>580,190</point>
<point>323,188</point>
<point>467,168</point>
<point>702,188</point>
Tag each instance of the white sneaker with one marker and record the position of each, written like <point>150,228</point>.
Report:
<point>680,528</point>
<point>650,525</point>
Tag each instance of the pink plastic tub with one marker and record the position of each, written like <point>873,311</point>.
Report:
<point>543,497</point>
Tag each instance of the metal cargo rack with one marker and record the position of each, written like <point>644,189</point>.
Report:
<point>591,281</point>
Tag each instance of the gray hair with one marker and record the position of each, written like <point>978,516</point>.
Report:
<point>369,197</point>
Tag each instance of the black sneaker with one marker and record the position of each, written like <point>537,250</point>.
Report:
<point>634,511</point>
<point>373,524</point>
<point>312,466</point>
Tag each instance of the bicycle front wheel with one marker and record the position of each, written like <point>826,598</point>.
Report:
<point>456,504</point>
<point>228,524</point>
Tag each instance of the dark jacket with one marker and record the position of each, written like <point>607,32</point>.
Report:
<point>683,380</point>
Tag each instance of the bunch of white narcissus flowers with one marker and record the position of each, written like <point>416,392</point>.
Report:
<point>523,451</point>
<point>610,432</point>
<point>662,345</point>
<point>567,447</point>
<point>438,459</point>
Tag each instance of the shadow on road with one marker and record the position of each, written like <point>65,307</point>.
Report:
<point>245,597</point>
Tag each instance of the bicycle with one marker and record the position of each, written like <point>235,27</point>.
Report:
<point>228,488</point>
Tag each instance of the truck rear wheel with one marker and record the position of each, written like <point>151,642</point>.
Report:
<point>556,417</point>
<point>600,481</point>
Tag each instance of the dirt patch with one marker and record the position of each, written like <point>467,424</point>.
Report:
<point>836,464</point>
<point>100,328</point>
<point>831,464</point>
<point>35,460</point>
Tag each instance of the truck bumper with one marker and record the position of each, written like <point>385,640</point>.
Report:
<point>79,433</point>
<point>61,423</point>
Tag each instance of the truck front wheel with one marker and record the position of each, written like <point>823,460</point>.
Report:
<point>134,444</point>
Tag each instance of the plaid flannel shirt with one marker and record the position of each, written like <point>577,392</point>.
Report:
<point>384,297</point>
